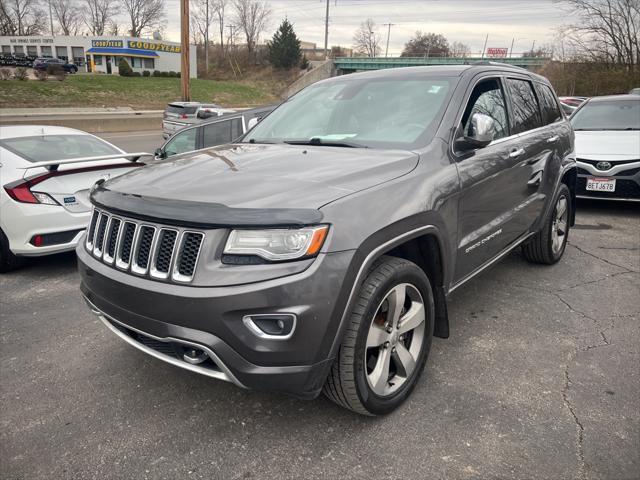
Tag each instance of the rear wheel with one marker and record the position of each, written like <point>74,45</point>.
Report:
<point>8,261</point>
<point>548,245</point>
<point>387,341</point>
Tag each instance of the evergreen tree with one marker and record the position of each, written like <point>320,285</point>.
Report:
<point>284,48</point>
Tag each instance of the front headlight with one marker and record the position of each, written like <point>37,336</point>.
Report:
<point>277,244</point>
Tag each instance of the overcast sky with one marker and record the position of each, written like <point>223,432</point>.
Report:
<point>467,21</point>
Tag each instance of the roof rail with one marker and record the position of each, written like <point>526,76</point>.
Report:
<point>495,64</point>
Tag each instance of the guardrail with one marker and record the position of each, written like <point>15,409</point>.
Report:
<point>377,63</point>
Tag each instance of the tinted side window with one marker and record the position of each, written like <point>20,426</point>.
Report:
<point>487,98</point>
<point>526,114</point>
<point>181,142</point>
<point>550,110</point>
<point>222,132</point>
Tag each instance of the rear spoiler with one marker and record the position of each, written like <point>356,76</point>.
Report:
<point>52,165</point>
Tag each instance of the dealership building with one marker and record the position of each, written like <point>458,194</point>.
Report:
<point>102,54</point>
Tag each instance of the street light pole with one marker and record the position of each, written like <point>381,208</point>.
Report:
<point>51,18</point>
<point>184,48</point>
<point>326,32</point>
<point>386,52</point>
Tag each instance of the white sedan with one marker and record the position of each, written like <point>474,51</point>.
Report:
<point>608,148</point>
<point>45,174</point>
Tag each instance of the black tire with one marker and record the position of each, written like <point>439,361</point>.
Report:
<point>347,383</point>
<point>8,261</point>
<point>540,248</point>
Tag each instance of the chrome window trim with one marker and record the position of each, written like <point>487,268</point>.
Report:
<point>153,272</point>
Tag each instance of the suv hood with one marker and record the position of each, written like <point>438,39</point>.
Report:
<point>251,177</point>
<point>609,145</point>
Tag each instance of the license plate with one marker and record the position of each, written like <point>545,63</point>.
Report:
<point>601,184</point>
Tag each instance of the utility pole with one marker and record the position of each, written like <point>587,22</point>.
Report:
<point>230,42</point>
<point>484,49</point>
<point>511,49</point>
<point>386,52</point>
<point>51,18</point>
<point>533,47</point>
<point>184,48</point>
<point>326,32</point>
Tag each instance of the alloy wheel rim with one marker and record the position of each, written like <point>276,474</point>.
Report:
<point>395,339</point>
<point>559,225</point>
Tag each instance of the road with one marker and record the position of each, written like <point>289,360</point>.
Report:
<point>146,141</point>
<point>539,380</point>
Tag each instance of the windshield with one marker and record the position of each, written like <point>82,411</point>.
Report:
<point>399,112</point>
<point>614,115</point>
<point>57,147</point>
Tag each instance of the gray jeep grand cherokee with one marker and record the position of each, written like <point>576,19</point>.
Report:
<point>316,253</point>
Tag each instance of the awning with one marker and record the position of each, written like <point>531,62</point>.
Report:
<point>122,52</point>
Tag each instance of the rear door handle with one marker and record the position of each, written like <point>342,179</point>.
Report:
<point>516,153</point>
<point>553,139</point>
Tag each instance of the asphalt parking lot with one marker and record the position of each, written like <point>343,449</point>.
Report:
<point>540,379</point>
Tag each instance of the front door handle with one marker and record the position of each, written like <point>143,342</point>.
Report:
<point>516,153</point>
<point>553,139</point>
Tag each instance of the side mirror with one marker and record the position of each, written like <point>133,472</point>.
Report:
<point>482,132</point>
<point>252,123</point>
<point>159,153</point>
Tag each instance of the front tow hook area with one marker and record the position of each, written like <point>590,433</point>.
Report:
<point>195,356</point>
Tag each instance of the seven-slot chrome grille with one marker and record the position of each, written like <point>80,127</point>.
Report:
<point>158,251</point>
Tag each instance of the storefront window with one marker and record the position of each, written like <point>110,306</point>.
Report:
<point>6,49</point>
<point>97,59</point>
<point>149,64</point>
<point>18,50</point>
<point>78,55</point>
<point>32,51</point>
<point>46,51</point>
<point>61,53</point>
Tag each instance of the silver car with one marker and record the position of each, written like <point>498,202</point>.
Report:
<point>177,112</point>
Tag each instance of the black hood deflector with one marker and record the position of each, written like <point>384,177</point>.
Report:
<point>199,214</point>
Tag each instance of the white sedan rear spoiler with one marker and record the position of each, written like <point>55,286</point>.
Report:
<point>52,165</point>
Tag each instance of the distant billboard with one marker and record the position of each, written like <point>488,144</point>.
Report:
<point>497,52</point>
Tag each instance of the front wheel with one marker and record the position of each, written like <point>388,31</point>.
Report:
<point>548,245</point>
<point>387,340</point>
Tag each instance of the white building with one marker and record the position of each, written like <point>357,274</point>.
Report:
<point>102,54</point>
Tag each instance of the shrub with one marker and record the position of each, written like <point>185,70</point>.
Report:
<point>178,74</point>
<point>41,75</point>
<point>172,74</point>
<point>20,73</point>
<point>146,73</point>
<point>5,73</point>
<point>136,74</point>
<point>164,74</point>
<point>124,69</point>
<point>156,73</point>
<point>55,70</point>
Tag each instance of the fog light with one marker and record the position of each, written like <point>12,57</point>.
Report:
<point>277,326</point>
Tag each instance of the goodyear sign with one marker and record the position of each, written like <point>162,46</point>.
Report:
<point>156,47</point>
<point>107,43</point>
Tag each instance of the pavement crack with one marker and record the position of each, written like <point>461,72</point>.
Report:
<point>581,474</point>
<point>598,280</point>
<point>599,258</point>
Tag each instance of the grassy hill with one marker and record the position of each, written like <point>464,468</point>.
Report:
<point>135,92</point>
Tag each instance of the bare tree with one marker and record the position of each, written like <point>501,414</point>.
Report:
<point>144,15</point>
<point>252,18</point>
<point>68,16</point>
<point>220,7</point>
<point>366,40</point>
<point>459,49</point>
<point>607,30</point>
<point>203,16</point>
<point>98,13</point>
<point>21,17</point>
<point>114,28</point>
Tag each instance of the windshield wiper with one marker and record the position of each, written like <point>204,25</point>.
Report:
<point>261,140</point>
<point>316,141</point>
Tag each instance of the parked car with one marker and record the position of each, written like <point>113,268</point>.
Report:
<point>46,173</point>
<point>44,63</point>
<point>211,133</point>
<point>608,147</point>
<point>570,104</point>
<point>317,252</point>
<point>634,91</point>
<point>178,114</point>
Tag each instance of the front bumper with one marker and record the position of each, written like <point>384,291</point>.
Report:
<point>210,318</point>
<point>627,177</point>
